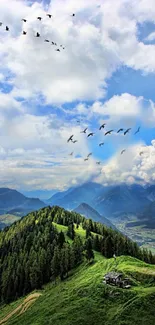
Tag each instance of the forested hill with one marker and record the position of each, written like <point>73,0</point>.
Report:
<point>33,251</point>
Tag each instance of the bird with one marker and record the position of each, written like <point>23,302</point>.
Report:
<point>98,162</point>
<point>84,131</point>
<point>49,15</point>
<point>102,126</point>
<point>73,15</point>
<point>127,131</point>
<point>101,144</point>
<point>39,18</point>
<point>24,33</point>
<point>90,134</point>
<point>71,154</point>
<point>1,24</point>
<point>71,137</point>
<point>120,130</point>
<point>53,43</point>
<point>137,130</point>
<point>24,20</point>
<point>141,153</point>
<point>108,132</point>
<point>7,28</point>
<point>37,35</point>
<point>46,40</point>
<point>85,159</point>
<point>122,151</point>
<point>57,50</point>
<point>89,154</point>
<point>75,141</point>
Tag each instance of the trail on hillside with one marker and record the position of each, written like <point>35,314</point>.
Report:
<point>22,307</point>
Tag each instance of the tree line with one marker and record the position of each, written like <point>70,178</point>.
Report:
<point>33,252</point>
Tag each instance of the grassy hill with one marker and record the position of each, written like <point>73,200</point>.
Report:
<point>83,298</point>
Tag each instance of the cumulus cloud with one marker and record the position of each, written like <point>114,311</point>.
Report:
<point>150,37</point>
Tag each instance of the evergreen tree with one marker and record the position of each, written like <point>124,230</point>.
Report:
<point>89,250</point>
<point>71,231</point>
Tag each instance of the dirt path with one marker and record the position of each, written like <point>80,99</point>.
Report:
<point>22,307</point>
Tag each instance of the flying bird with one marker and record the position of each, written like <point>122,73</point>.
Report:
<point>89,154</point>
<point>39,18</point>
<point>137,130</point>
<point>109,132</point>
<point>46,40</point>
<point>84,131</point>
<point>102,126</point>
<point>98,162</point>
<point>141,153</point>
<point>122,151</point>
<point>57,50</point>
<point>73,15</point>
<point>7,28</point>
<point>37,35</point>
<point>75,141</point>
<point>24,33</point>
<point>71,154</point>
<point>24,20</point>
<point>1,24</point>
<point>49,15</point>
<point>90,134</point>
<point>71,137</point>
<point>85,159</point>
<point>101,144</point>
<point>120,130</point>
<point>53,43</point>
<point>127,131</point>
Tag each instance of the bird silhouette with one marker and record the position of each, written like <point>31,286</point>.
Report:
<point>141,153</point>
<point>46,40</point>
<point>71,137</point>
<point>127,131</point>
<point>7,28</point>
<point>85,159</point>
<point>37,35</point>
<point>57,50</point>
<point>109,132</point>
<point>24,33</point>
<point>73,15</point>
<point>122,151</point>
<point>71,154</point>
<point>75,141</point>
<point>89,154</point>
<point>90,134</point>
<point>101,144</point>
<point>1,24</point>
<point>24,20</point>
<point>39,18</point>
<point>84,131</point>
<point>102,126</point>
<point>53,43</point>
<point>49,15</point>
<point>120,130</point>
<point>137,130</point>
<point>98,162</point>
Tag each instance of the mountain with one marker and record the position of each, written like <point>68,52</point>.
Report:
<point>13,202</point>
<point>90,213</point>
<point>150,190</point>
<point>71,198</point>
<point>121,199</point>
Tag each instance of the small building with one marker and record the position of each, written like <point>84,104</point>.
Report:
<point>117,279</point>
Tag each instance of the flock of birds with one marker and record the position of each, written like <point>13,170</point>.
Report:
<point>102,143</point>
<point>37,33</point>
<point>85,130</point>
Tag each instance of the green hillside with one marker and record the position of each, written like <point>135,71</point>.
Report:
<point>84,299</point>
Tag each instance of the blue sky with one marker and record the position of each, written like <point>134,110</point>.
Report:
<point>106,73</point>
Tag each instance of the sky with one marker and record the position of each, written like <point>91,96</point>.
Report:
<point>104,74</point>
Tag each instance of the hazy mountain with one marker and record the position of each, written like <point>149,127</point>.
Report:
<point>43,195</point>
<point>122,199</point>
<point>12,201</point>
<point>90,213</point>
<point>150,190</point>
<point>71,198</point>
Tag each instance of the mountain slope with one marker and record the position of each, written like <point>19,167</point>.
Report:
<point>90,213</point>
<point>12,201</point>
<point>121,199</point>
<point>71,198</point>
<point>84,299</point>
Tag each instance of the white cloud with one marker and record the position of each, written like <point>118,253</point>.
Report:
<point>150,37</point>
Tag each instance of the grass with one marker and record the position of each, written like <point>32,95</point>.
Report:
<point>8,219</point>
<point>84,299</point>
